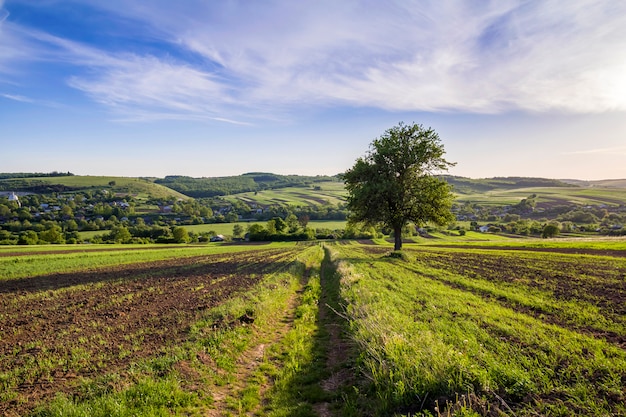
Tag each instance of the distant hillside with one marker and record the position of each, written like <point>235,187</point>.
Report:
<point>488,191</point>
<point>250,182</point>
<point>464,185</point>
<point>5,175</point>
<point>548,192</point>
<point>322,193</point>
<point>124,185</point>
<point>621,183</point>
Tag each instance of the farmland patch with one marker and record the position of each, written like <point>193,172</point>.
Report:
<point>487,332</point>
<point>57,329</point>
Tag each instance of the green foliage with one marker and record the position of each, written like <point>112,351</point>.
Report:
<point>398,254</point>
<point>180,235</point>
<point>52,235</point>
<point>238,231</point>
<point>395,183</point>
<point>6,175</point>
<point>119,234</point>
<point>550,230</point>
<point>28,237</point>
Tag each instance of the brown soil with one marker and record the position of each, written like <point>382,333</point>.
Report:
<point>66,326</point>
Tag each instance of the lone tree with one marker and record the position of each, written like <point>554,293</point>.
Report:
<point>395,182</point>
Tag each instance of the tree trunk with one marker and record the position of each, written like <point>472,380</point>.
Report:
<point>397,234</point>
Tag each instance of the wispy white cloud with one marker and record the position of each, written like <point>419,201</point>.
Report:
<point>15,97</point>
<point>257,59</point>
<point>31,100</point>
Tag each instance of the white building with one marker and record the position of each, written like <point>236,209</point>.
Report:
<point>14,197</point>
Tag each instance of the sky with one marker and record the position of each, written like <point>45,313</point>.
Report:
<point>202,88</point>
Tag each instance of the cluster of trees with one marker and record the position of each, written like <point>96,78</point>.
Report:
<point>605,220</point>
<point>50,234</point>
<point>514,224</point>
<point>295,228</point>
<point>142,233</point>
<point>50,218</point>
<point>58,217</point>
<point>279,229</point>
<point>7,175</point>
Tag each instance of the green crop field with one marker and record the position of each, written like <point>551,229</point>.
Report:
<point>473,331</point>
<point>322,193</point>
<point>549,195</point>
<point>455,326</point>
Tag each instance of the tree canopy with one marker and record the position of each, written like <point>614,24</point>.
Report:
<point>395,182</point>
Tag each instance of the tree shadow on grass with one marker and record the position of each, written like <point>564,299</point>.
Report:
<point>324,375</point>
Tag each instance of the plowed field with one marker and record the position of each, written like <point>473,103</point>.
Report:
<point>57,328</point>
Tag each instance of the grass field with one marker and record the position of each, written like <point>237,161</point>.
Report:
<point>548,195</point>
<point>452,328</point>
<point>328,193</point>
<point>474,332</point>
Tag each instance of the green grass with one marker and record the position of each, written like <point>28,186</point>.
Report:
<point>329,193</point>
<point>22,266</point>
<point>558,195</point>
<point>300,358</point>
<point>494,241</point>
<point>429,332</point>
<point>147,397</point>
<point>470,236</point>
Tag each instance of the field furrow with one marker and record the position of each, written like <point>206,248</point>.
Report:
<point>56,329</point>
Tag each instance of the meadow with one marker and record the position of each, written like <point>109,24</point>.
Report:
<point>477,331</point>
<point>322,193</point>
<point>556,195</point>
<point>449,328</point>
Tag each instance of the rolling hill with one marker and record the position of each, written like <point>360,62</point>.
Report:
<point>265,189</point>
<point>74,183</point>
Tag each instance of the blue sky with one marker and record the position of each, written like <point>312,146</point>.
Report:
<point>213,88</point>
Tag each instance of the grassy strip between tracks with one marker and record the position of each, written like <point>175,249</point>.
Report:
<point>429,348</point>
<point>192,378</point>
